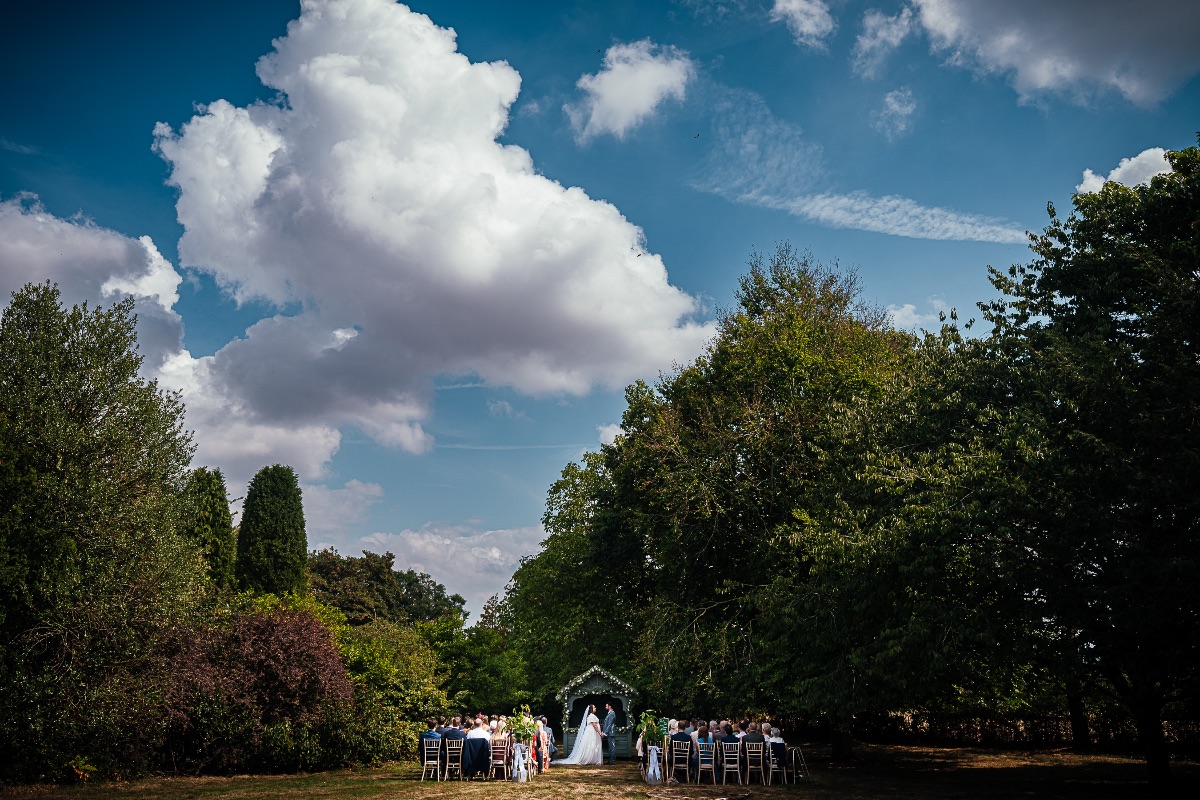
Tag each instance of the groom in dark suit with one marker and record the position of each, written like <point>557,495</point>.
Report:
<point>609,729</point>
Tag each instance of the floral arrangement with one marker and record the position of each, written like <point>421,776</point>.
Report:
<point>521,724</point>
<point>648,727</point>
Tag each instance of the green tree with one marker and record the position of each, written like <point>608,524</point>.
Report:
<point>728,452</point>
<point>92,570</point>
<point>370,587</point>
<point>1101,330</point>
<point>562,609</point>
<point>272,548</point>
<point>208,523</point>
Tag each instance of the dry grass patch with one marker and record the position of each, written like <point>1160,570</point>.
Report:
<point>879,771</point>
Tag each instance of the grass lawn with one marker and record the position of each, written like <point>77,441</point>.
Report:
<point>878,771</point>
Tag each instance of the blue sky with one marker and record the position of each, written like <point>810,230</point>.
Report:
<point>418,253</point>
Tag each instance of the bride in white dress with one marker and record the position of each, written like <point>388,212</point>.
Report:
<point>588,748</point>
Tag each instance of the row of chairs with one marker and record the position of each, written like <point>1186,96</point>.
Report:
<point>754,757</point>
<point>503,759</point>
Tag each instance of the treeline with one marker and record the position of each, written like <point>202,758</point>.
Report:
<point>826,518</point>
<point>141,630</point>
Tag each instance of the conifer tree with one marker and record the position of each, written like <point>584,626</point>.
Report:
<point>208,523</point>
<point>272,547</point>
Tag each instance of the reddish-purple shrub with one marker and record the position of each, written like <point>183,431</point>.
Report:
<point>277,670</point>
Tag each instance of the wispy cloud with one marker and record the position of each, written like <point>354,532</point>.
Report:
<point>897,216</point>
<point>894,119</point>
<point>880,35</point>
<point>761,160</point>
<point>16,147</point>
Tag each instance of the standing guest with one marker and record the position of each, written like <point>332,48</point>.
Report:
<point>550,737</point>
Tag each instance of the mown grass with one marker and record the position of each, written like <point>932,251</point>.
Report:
<point>878,771</point>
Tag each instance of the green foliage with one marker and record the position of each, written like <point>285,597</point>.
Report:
<point>370,588</point>
<point>92,572</point>
<point>561,607</point>
<point>397,681</point>
<point>272,547</point>
<point>1100,334</point>
<point>484,670</point>
<point>208,523</point>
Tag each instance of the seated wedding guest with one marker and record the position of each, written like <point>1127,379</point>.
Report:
<point>702,736</point>
<point>689,728</point>
<point>741,728</point>
<point>775,738</point>
<point>680,735</point>
<point>728,735</point>
<point>479,730</point>
<point>752,734</point>
<point>452,730</point>
<point>431,733</point>
<point>441,725</point>
<point>499,734</point>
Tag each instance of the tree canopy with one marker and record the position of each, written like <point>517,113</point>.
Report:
<point>272,546</point>
<point>92,570</point>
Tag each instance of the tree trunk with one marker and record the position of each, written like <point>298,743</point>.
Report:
<point>1081,738</point>
<point>1154,744</point>
<point>842,742</point>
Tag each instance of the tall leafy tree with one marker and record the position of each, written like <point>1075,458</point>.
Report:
<point>208,522</point>
<point>370,588</point>
<point>729,451</point>
<point>272,547</point>
<point>571,606</point>
<point>92,569</point>
<point>1101,328</point>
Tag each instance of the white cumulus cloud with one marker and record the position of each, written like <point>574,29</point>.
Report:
<point>1143,51</point>
<point>473,563</point>
<point>907,316</point>
<point>808,20</point>
<point>95,264</point>
<point>634,82</point>
<point>401,242</point>
<point>608,434</point>
<point>1130,172</point>
<point>330,514</point>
